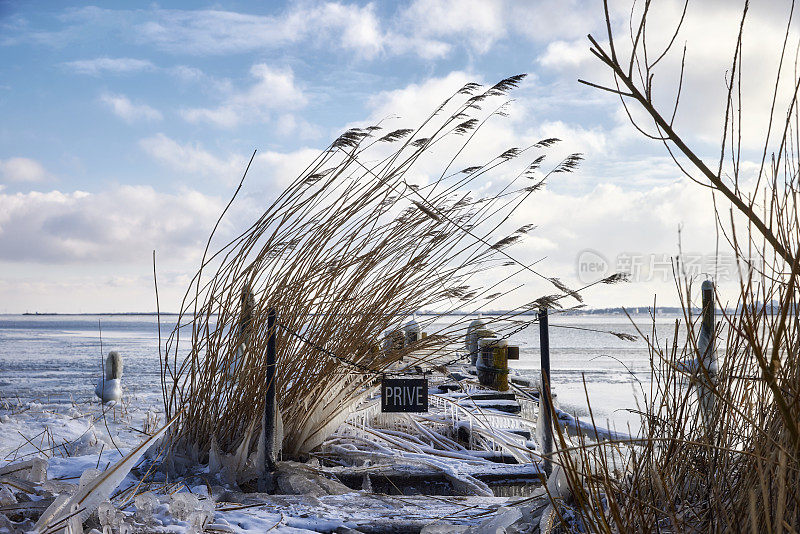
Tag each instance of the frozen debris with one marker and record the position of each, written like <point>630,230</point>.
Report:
<point>296,479</point>
<point>18,483</point>
<point>549,520</point>
<point>532,511</point>
<point>497,523</point>
<point>74,522</point>
<point>58,487</point>
<point>96,487</point>
<point>557,484</point>
<point>146,504</point>
<point>441,527</point>
<point>55,509</point>
<point>220,528</point>
<point>106,513</point>
<point>214,460</point>
<point>86,443</point>
<point>38,471</point>
<point>6,496</point>
<point>366,483</point>
<point>118,520</point>
<point>18,470</point>
<point>87,477</point>
<point>182,505</point>
<point>125,528</point>
<point>6,525</point>
<point>198,521</point>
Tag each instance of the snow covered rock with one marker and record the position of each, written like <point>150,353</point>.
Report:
<point>294,478</point>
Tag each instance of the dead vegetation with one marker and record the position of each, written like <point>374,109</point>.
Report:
<point>732,464</point>
<point>360,240</point>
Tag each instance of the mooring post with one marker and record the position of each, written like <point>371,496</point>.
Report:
<point>545,398</point>
<point>266,484</point>
<point>707,354</point>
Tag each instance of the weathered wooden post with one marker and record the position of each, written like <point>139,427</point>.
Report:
<point>545,399</point>
<point>266,483</point>
<point>706,358</point>
<point>248,306</point>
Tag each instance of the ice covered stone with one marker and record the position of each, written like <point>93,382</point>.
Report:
<point>146,504</point>
<point>198,520</point>
<point>87,443</point>
<point>38,472</point>
<point>182,505</point>
<point>296,479</point>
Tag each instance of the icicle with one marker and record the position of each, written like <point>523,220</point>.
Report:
<point>214,460</point>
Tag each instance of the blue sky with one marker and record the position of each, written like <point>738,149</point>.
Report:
<point>125,129</point>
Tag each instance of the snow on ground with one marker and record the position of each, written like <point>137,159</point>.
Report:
<point>78,438</point>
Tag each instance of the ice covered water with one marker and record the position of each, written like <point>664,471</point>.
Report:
<point>57,359</point>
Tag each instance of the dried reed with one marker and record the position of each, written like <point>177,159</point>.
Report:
<point>350,249</point>
<point>732,464</point>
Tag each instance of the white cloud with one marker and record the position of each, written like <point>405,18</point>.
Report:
<point>414,102</point>
<point>274,89</point>
<point>291,124</point>
<point>189,157</point>
<point>560,54</point>
<point>22,170</point>
<point>122,107</point>
<point>546,20</point>
<point>479,23</point>
<point>273,171</point>
<point>119,225</point>
<point>618,223</point>
<point>709,32</point>
<point>119,65</point>
<point>269,173</point>
<point>213,32</point>
<point>430,29</point>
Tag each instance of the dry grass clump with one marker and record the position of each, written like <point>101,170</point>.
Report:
<point>351,248</point>
<point>732,462</point>
<point>716,466</point>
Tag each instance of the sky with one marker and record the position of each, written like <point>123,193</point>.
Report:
<point>126,130</point>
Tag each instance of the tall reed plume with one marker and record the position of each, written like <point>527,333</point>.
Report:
<point>350,249</point>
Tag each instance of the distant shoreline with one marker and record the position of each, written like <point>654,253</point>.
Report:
<point>633,310</point>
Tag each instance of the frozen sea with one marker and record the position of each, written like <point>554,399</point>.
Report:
<point>56,359</point>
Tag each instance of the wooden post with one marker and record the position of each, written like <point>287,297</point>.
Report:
<point>266,483</point>
<point>545,398</point>
<point>706,358</point>
<point>248,306</point>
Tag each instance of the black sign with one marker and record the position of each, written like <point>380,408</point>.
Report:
<point>404,395</point>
